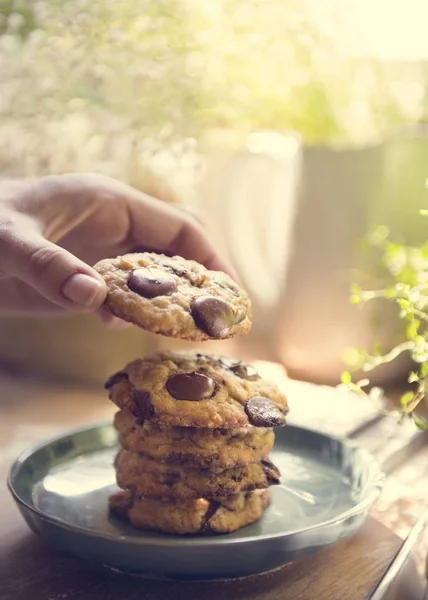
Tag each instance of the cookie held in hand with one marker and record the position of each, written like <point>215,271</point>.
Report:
<point>175,297</point>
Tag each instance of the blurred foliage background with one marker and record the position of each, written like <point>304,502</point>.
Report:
<point>122,86</point>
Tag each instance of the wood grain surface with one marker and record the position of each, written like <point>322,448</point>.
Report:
<point>29,570</point>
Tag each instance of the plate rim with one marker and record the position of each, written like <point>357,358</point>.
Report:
<point>377,478</point>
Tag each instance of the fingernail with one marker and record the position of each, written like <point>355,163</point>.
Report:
<point>84,290</point>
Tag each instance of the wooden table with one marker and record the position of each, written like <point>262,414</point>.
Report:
<point>29,570</point>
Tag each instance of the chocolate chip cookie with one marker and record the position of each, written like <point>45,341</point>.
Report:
<point>146,477</point>
<point>179,389</point>
<point>175,297</point>
<point>201,516</point>
<point>191,446</point>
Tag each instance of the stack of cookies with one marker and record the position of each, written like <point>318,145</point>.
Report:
<point>195,430</point>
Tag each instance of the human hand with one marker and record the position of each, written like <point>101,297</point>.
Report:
<point>53,228</point>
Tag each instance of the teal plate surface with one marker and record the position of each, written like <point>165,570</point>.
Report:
<point>327,488</point>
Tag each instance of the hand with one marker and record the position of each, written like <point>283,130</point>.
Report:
<point>53,228</point>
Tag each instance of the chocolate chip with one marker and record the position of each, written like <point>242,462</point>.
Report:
<point>211,511</point>
<point>143,408</point>
<point>271,471</point>
<point>262,412</point>
<point>116,378</point>
<point>245,372</point>
<point>175,269</point>
<point>214,316</point>
<point>151,284</point>
<point>190,386</point>
<point>240,368</point>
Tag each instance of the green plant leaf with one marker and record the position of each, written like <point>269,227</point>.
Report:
<point>406,398</point>
<point>420,342</point>
<point>423,370</point>
<point>413,377</point>
<point>394,251</point>
<point>412,329</point>
<point>403,304</point>
<point>408,266</point>
<point>346,378</point>
<point>420,422</point>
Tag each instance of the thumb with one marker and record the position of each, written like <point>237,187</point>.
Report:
<point>54,272</point>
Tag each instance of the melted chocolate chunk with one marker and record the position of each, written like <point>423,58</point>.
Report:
<point>143,408</point>
<point>262,412</point>
<point>211,511</point>
<point>239,368</point>
<point>245,372</point>
<point>116,378</point>
<point>214,316</point>
<point>190,386</point>
<point>151,284</point>
<point>177,270</point>
<point>271,471</point>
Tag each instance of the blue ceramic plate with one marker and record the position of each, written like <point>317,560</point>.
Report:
<point>327,488</point>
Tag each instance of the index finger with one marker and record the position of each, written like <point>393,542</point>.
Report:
<point>166,229</point>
